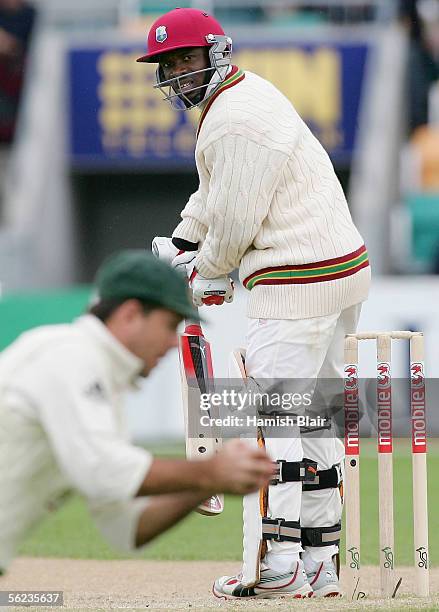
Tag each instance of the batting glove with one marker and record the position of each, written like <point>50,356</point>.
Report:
<point>210,291</point>
<point>177,252</point>
<point>164,249</point>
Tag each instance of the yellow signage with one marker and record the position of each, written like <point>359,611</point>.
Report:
<point>134,117</point>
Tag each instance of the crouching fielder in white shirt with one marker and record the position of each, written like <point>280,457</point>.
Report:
<point>62,422</point>
<point>268,203</point>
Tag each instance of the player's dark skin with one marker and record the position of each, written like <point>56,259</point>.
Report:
<point>183,61</point>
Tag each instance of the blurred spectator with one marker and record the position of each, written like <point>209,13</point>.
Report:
<point>425,146</point>
<point>310,13</point>
<point>421,18</point>
<point>240,14</point>
<point>357,12</point>
<point>17,18</point>
<point>294,16</point>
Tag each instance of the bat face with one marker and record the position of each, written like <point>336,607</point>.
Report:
<point>197,379</point>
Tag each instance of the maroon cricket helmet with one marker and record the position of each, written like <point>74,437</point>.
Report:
<point>180,28</point>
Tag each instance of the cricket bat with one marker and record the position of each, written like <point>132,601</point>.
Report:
<point>196,379</point>
<point>254,504</point>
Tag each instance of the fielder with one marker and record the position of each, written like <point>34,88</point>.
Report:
<point>62,424</point>
<point>269,203</point>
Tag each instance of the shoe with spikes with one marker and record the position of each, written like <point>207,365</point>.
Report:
<point>290,585</point>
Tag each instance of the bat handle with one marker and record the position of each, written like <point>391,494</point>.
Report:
<point>192,328</point>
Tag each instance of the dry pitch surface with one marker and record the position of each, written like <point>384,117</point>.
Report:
<point>181,585</point>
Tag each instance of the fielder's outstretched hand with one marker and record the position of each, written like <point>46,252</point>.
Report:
<point>237,468</point>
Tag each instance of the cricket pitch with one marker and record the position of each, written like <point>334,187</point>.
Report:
<point>183,585</point>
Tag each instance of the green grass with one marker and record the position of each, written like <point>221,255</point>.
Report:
<point>71,533</point>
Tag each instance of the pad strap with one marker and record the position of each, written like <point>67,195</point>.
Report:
<point>321,536</point>
<point>280,530</point>
<point>294,471</point>
<point>325,479</point>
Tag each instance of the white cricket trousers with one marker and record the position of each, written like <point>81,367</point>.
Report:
<point>306,349</point>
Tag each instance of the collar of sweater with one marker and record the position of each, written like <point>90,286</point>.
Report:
<point>125,366</point>
<point>234,77</point>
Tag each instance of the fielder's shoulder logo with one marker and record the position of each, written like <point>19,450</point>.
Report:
<point>95,391</point>
<point>161,34</point>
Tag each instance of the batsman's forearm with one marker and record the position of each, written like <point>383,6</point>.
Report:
<point>163,512</point>
<point>176,475</point>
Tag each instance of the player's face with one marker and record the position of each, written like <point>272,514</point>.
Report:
<point>183,62</point>
<point>156,334</point>
<point>11,5</point>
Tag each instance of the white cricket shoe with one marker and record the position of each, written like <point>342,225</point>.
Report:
<point>291,585</point>
<point>324,580</point>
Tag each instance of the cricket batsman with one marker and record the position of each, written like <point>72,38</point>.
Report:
<point>62,424</point>
<point>270,204</point>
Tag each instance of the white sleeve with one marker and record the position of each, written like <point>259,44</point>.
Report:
<point>194,223</point>
<point>81,423</point>
<point>192,227</point>
<point>118,521</point>
<point>244,176</point>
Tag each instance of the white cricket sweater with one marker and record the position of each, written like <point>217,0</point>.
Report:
<point>62,426</point>
<point>270,202</point>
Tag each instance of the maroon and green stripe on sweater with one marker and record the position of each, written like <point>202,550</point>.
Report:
<point>235,76</point>
<point>330,269</point>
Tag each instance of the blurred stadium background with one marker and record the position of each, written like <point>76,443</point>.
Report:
<point>92,160</point>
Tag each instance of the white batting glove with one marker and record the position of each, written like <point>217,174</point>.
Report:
<point>163,248</point>
<point>210,291</point>
<point>181,259</point>
<point>184,262</point>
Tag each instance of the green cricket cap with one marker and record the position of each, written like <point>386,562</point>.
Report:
<point>136,273</point>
